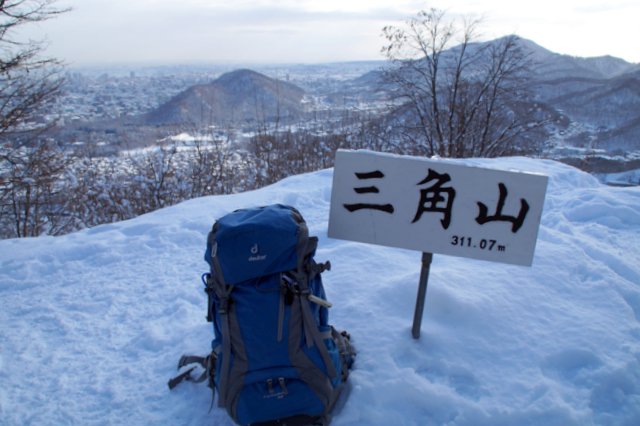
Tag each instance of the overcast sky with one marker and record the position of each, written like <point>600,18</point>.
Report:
<point>313,31</point>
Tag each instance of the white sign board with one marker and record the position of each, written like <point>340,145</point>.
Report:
<point>436,206</point>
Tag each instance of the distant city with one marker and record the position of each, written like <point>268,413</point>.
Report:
<point>115,92</point>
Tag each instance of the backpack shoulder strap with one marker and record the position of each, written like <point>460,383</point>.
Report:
<point>216,283</point>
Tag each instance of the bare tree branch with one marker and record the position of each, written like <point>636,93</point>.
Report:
<point>462,93</point>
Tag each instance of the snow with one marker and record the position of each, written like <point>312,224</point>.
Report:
<point>628,178</point>
<point>93,323</point>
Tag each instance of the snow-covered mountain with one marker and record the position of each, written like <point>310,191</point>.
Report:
<point>93,323</point>
<point>551,65</point>
<point>599,97</point>
<point>239,96</point>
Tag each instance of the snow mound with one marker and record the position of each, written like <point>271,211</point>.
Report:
<point>93,323</point>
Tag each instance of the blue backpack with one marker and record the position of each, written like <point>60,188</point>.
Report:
<point>275,359</point>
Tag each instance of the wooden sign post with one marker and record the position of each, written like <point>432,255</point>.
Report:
<point>422,294</point>
<point>436,206</point>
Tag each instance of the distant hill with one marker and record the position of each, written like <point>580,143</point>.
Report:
<point>551,65</point>
<point>608,107</point>
<point>599,94</point>
<point>238,97</point>
<point>604,102</point>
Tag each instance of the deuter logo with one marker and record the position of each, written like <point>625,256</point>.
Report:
<point>255,256</point>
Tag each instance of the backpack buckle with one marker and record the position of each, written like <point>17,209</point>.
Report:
<point>224,305</point>
<point>314,268</point>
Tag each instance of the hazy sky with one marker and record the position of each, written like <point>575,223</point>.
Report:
<point>312,31</point>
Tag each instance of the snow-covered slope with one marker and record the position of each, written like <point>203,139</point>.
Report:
<point>93,323</point>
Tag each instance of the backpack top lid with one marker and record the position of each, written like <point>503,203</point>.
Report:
<point>250,243</point>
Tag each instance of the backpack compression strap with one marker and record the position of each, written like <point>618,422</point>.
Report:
<point>312,334</point>
<point>306,271</point>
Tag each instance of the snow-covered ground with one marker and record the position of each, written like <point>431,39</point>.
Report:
<point>629,178</point>
<point>93,323</point>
